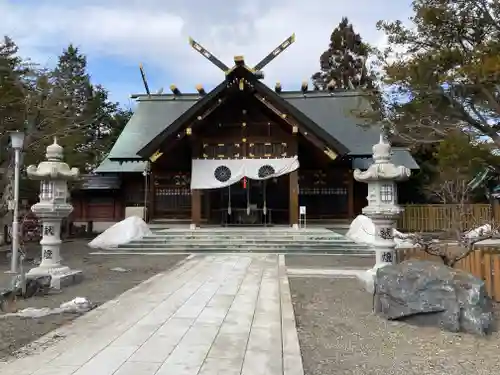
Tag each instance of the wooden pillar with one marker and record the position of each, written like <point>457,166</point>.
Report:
<point>294,197</point>
<point>206,202</point>
<point>196,207</point>
<point>151,193</point>
<point>293,205</point>
<point>350,195</point>
<point>84,205</point>
<point>196,148</point>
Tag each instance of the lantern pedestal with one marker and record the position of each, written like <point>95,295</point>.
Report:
<point>50,265</point>
<point>52,209</point>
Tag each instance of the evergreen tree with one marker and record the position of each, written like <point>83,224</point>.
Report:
<point>108,122</point>
<point>414,191</point>
<point>446,75</point>
<point>14,108</point>
<point>72,82</point>
<point>12,91</point>
<point>73,95</point>
<point>62,103</point>
<point>344,63</point>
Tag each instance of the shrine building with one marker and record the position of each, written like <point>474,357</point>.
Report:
<point>241,154</point>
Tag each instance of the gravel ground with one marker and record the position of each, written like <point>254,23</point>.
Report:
<point>328,261</point>
<point>100,284</point>
<point>340,335</point>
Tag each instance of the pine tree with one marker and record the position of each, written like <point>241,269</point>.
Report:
<point>72,95</point>
<point>446,75</point>
<point>108,121</point>
<point>12,89</point>
<point>343,64</point>
<point>72,82</point>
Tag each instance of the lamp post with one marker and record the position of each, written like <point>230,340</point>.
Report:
<point>16,141</point>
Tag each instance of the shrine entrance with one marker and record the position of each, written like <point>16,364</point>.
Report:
<point>250,203</point>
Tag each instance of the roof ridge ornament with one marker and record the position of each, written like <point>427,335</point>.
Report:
<point>239,60</point>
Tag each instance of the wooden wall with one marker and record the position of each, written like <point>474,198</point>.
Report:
<point>97,206</point>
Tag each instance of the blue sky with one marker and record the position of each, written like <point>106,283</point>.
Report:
<point>116,35</point>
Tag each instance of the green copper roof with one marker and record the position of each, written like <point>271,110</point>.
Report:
<point>400,156</point>
<point>335,114</point>
<point>151,116</point>
<point>108,166</point>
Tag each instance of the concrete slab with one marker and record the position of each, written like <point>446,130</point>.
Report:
<point>218,314</point>
<point>321,272</point>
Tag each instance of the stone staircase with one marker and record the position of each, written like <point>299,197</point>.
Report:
<point>231,240</point>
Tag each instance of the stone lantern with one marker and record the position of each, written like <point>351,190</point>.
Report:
<point>382,207</point>
<point>53,207</point>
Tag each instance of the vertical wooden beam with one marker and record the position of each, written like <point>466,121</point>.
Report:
<point>196,148</point>
<point>294,197</point>
<point>206,202</point>
<point>350,195</point>
<point>293,205</point>
<point>84,205</point>
<point>151,193</point>
<point>196,207</point>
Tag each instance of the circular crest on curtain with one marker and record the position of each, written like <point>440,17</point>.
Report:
<point>222,173</point>
<point>266,171</point>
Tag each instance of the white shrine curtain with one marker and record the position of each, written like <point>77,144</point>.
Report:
<point>219,173</point>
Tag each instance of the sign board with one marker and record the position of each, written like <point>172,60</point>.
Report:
<point>302,210</point>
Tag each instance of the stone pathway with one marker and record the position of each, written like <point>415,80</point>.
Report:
<point>226,315</point>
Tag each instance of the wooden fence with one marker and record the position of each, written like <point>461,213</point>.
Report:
<point>483,263</point>
<point>443,217</point>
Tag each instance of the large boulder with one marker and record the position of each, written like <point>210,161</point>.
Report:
<point>430,293</point>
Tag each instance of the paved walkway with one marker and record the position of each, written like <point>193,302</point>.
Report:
<point>225,314</point>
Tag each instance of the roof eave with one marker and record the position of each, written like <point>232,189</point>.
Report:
<point>156,142</point>
<point>128,160</point>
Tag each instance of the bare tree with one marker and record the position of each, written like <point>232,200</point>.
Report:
<point>463,228</point>
<point>452,249</point>
<point>45,118</point>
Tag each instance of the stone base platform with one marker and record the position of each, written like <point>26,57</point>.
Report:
<point>58,279</point>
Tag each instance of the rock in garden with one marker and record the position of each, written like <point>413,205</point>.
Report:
<point>37,285</point>
<point>8,301</point>
<point>430,293</point>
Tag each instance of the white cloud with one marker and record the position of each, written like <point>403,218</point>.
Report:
<point>156,33</point>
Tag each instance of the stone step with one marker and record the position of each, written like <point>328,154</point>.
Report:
<point>246,236</point>
<point>259,230</point>
<point>241,246</point>
<point>363,253</point>
<point>280,240</point>
<point>242,240</point>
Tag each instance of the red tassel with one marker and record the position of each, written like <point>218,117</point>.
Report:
<point>244,182</point>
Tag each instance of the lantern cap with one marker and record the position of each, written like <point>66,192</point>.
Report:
<point>54,151</point>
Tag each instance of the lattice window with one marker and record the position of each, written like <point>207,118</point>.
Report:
<point>222,151</point>
<point>323,191</point>
<point>46,190</point>
<point>174,179</point>
<point>267,150</point>
<point>386,193</point>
